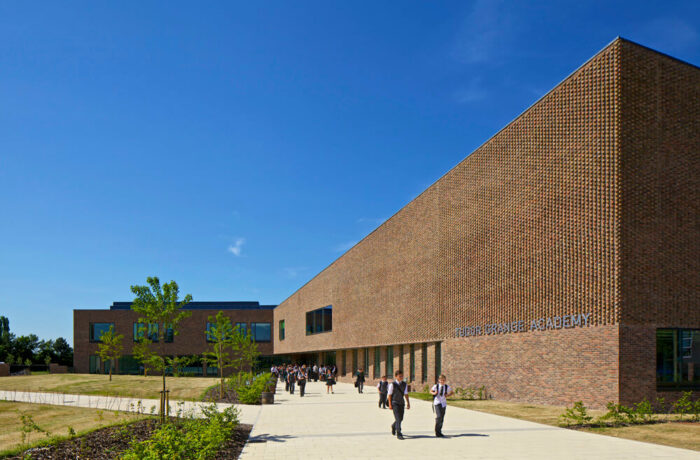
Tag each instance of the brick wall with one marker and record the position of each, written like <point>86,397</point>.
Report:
<point>566,210</point>
<point>660,202</point>
<point>191,339</point>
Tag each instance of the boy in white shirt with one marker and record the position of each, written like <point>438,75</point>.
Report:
<point>440,392</point>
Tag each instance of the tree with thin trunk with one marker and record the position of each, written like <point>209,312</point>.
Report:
<point>160,306</point>
<point>220,334</point>
<point>110,348</point>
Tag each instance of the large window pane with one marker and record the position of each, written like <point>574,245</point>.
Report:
<point>97,329</point>
<point>140,330</point>
<point>281,329</point>
<point>377,361</point>
<point>678,359</point>
<point>243,327</point>
<point>412,358</point>
<point>262,332</point>
<point>319,320</point>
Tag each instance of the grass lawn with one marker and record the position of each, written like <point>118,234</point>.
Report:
<point>54,419</point>
<point>684,435</point>
<point>188,388</point>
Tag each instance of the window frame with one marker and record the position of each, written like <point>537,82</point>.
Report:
<point>253,332</point>
<point>323,315</point>
<point>281,330</point>
<point>91,331</point>
<point>677,361</point>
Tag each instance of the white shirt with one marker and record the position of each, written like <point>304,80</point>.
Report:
<point>441,399</point>
<point>391,388</point>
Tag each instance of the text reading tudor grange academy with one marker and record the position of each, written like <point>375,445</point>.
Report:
<point>540,324</point>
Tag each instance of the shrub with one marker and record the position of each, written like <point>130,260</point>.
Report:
<point>187,439</point>
<point>576,415</point>
<point>696,410</point>
<point>645,411</point>
<point>615,415</point>
<point>684,404</point>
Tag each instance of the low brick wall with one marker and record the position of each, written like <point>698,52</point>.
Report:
<point>57,369</point>
<point>4,370</point>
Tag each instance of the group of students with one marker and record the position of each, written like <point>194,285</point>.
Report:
<point>395,395</point>
<point>295,374</point>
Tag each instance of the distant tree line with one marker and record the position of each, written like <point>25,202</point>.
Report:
<point>28,349</point>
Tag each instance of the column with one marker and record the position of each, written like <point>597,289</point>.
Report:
<point>431,377</point>
<point>397,360</point>
<point>407,361</point>
<point>382,361</point>
<point>419,366</point>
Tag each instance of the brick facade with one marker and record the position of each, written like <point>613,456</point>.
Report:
<point>587,203</point>
<point>190,341</point>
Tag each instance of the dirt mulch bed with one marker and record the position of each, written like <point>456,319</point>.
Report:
<point>212,395</point>
<point>108,443</point>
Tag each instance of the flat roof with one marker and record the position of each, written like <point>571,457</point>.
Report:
<point>227,305</point>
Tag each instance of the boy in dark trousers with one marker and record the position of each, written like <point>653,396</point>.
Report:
<point>301,378</point>
<point>398,390</point>
<point>440,392</point>
<point>383,388</point>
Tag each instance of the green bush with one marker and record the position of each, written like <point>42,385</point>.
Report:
<point>684,404</point>
<point>645,411</point>
<point>576,415</point>
<point>249,387</point>
<point>617,415</point>
<point>696,410</point>
<point>188,439</point>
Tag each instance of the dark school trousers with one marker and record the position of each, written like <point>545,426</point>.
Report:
<point>382,400</point>
<point>291,387</point>
<point>398,417</point>
<point>286,385</point>
<point>360,385</point>
<point>439,417</point>
<point>302,387</point>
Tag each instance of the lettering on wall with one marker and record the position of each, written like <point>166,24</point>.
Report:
<point>539,324</point>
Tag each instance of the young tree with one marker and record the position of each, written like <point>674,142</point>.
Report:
<point>110,348</point>
<point>244,350</point>
<point>220,334</point>
<point>159,305</point>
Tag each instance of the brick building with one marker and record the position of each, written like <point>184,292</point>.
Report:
<point>88,326</point>
<point>558,262</point>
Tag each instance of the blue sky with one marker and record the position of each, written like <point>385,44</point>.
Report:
<point>240,147</point>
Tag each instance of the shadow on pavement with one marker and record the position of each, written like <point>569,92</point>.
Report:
<point>447,436</point>
<point>270,438</point>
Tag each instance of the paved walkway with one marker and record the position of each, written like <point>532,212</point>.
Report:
<point>248,414</point>
<point>349,425</point>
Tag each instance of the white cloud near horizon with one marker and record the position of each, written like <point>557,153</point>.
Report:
<point>236,248</point>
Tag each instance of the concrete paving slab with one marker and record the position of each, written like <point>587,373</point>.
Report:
<point>350,425</point>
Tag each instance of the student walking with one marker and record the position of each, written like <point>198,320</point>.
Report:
<point>398,390</point>
<point>330,381</point>
<point>383,388</point>
<point>360,382</point>
<point>301,378</point>
<point>440,392</point>
<point>291,378</point>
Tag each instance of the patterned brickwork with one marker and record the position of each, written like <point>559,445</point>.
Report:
<point>524,227</point>
<point>191,339</point>
<point>585,203</point>
<point>660,190</point>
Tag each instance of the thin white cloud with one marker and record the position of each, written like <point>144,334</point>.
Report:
<point>236,248</point>
<point>473,92</point>
<point>484,33</point>
<point>342,247</point>
<point>293,272</point>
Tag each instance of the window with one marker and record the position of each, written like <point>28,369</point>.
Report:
<point>97,329</point>
<point>210,326</point>
<point>389,361</point>
<point>169,334</point>
<point>401,359</point>
<point>377,360</point>
<point>262,332</point>
<point>438,359</point>
<point>678,359</point>
<point>424,362</point>
<point>281,329</point>
<point>140,330</point>
<point>243,327</point>
<point>354,361</point>
<point>412,363</point>
<point>129,365</point>
<point>345,362</point>
<point>366,366</point>
<point>319,320</point>
<point>94,364</point>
